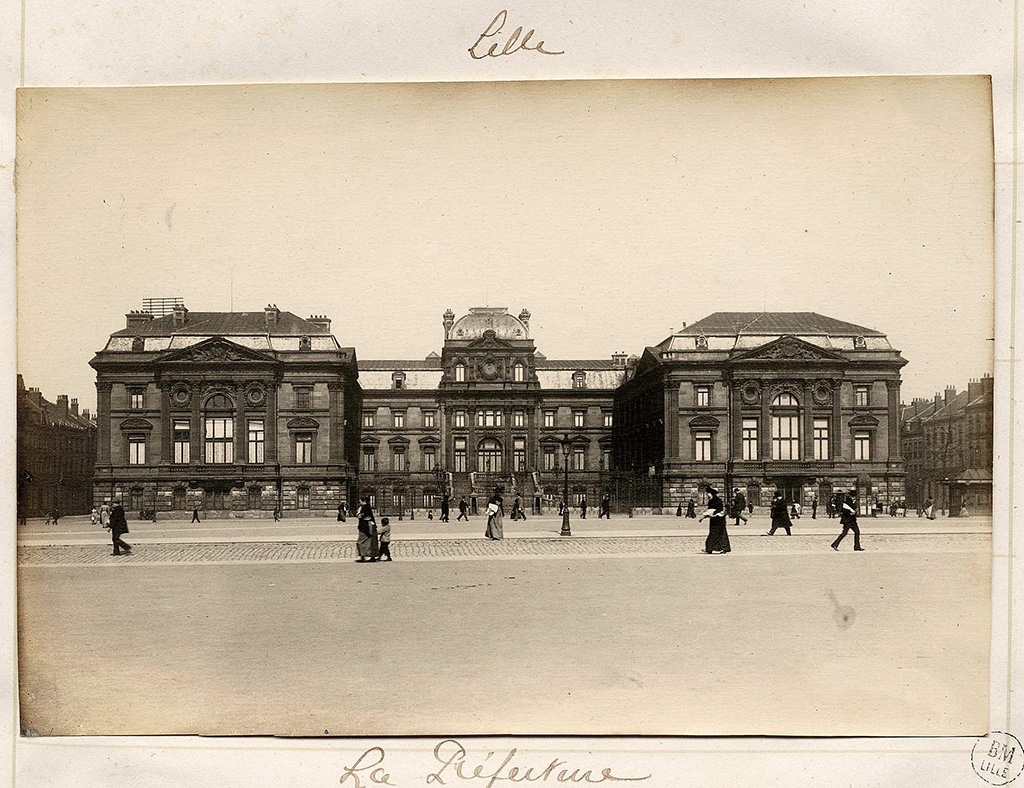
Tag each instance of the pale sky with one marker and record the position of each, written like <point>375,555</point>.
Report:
<point>612,210</point>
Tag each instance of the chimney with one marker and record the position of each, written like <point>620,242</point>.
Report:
<point>937,400</point>
<point>524,318</point>
<point>949,394</point>
<point>85,414</point>
<point>137,318</point>
<point>74,407</point>
<point>321,321</point>
<point>62,403</point>
<point>180,316</point>
<point>619,359</point>
<point>448,322</point>
<point>272,313</point>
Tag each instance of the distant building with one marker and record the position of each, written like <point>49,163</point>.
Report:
<point>56,455</point>
<point>794,402</point>
<point>488,412</point>
<point>236,413</point>
<point>948,446</point>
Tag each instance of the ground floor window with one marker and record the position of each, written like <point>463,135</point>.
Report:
<point>178,499</point>
<point>398,502</point>
<point>302,498</point>
<point>218,499</point>
<point>255,498</point>
<point>428,500</point>
<point>135,504</point>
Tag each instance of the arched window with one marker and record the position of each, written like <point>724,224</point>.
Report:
<point>460,373</point>
<point>305,344</point>
<point>138,344</point>
<point>518,372</point>
<point>219,430</point>
<point>579,380</point>
<point>785,427</point>
<point>488,457</point>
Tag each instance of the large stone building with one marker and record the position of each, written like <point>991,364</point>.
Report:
<point>796,402</point>
<point>241,413</point>
<point>489,411</point>
<point>948,448</point>
<point>56,455</point>
<point>235,413</point>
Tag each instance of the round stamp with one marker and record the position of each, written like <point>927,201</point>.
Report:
<point>998,758</point>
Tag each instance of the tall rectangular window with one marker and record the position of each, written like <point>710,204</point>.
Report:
<point>255,440</point>
<point>702,446</point>
<point>519,454</point>
<point>579,418</point>
<point>398,458</point>
<point>549,418</point>
<point>303,448</point>
<point>369,457</point>
<point>459,457</point>
<point>136,399</point>
<point>368,418</point>
<point>862,445</point>
<point>749,439</point>
<point>606,456</point>
<point>703,396</point>
<point>304,397</point>
<point>579,458</point>
<point>460,418</point>
<point>860,396</point>
<point>302,498</point>
<point>518,418</point>
<point>220,440</point>
<point>398,419</point>
<point>429,458</point>
<point>182,441</point>
<point>488,418</point>
<point>550,455</point>
<point>786,437</point>
<point>606,417</point>
<point>821,439</point>
<point>428,419</point>
<point>136,450</point>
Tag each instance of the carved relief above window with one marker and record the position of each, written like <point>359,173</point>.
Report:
<point>181,395</point>
<point>255,395</point>
<point>750,393</point>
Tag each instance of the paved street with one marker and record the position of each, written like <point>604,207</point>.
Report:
<point>624,628</point>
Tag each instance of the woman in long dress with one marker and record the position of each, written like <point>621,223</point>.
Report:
<point>495,515</point>
<point>366,544</point>
<point>718,536</point>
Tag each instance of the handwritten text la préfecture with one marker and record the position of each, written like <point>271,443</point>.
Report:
<point>457,766</point>
<point>516,41</point>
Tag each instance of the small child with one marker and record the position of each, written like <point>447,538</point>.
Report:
<point>385,538</point>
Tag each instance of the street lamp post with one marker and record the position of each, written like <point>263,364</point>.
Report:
<point>566,450</point>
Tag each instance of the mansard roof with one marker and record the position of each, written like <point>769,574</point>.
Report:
<point>769,323</point>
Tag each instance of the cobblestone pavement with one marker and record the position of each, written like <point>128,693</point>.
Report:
<point>479,549</point>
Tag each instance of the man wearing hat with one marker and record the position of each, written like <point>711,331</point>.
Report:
<point>739,505</point>
<point>848,519</point>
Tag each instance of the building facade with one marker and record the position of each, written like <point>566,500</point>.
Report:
<point>793,402</point>
<point>948,448</point>
<point>489,412</point>
<point>237,414</point>
<point>56,455</point>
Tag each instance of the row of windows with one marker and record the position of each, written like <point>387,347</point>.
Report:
<point>219,443</point>
<point>785,440</point>
<point>489,457</point>
<point>485,418</point>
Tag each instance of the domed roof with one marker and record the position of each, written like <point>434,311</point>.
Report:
<point>489,318</point>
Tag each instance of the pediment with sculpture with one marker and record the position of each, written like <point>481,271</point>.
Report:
<point>789,348</point>
<point>217,350</point>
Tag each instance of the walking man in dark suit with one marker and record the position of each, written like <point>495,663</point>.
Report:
<point>739,505</point>
<point>445,507</point>
<point>195,514</point>
<point>462,510</point>
<point>848,519</point>
<point>118,526</point>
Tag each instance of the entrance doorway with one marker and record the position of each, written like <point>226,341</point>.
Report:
<point>791,489</point>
